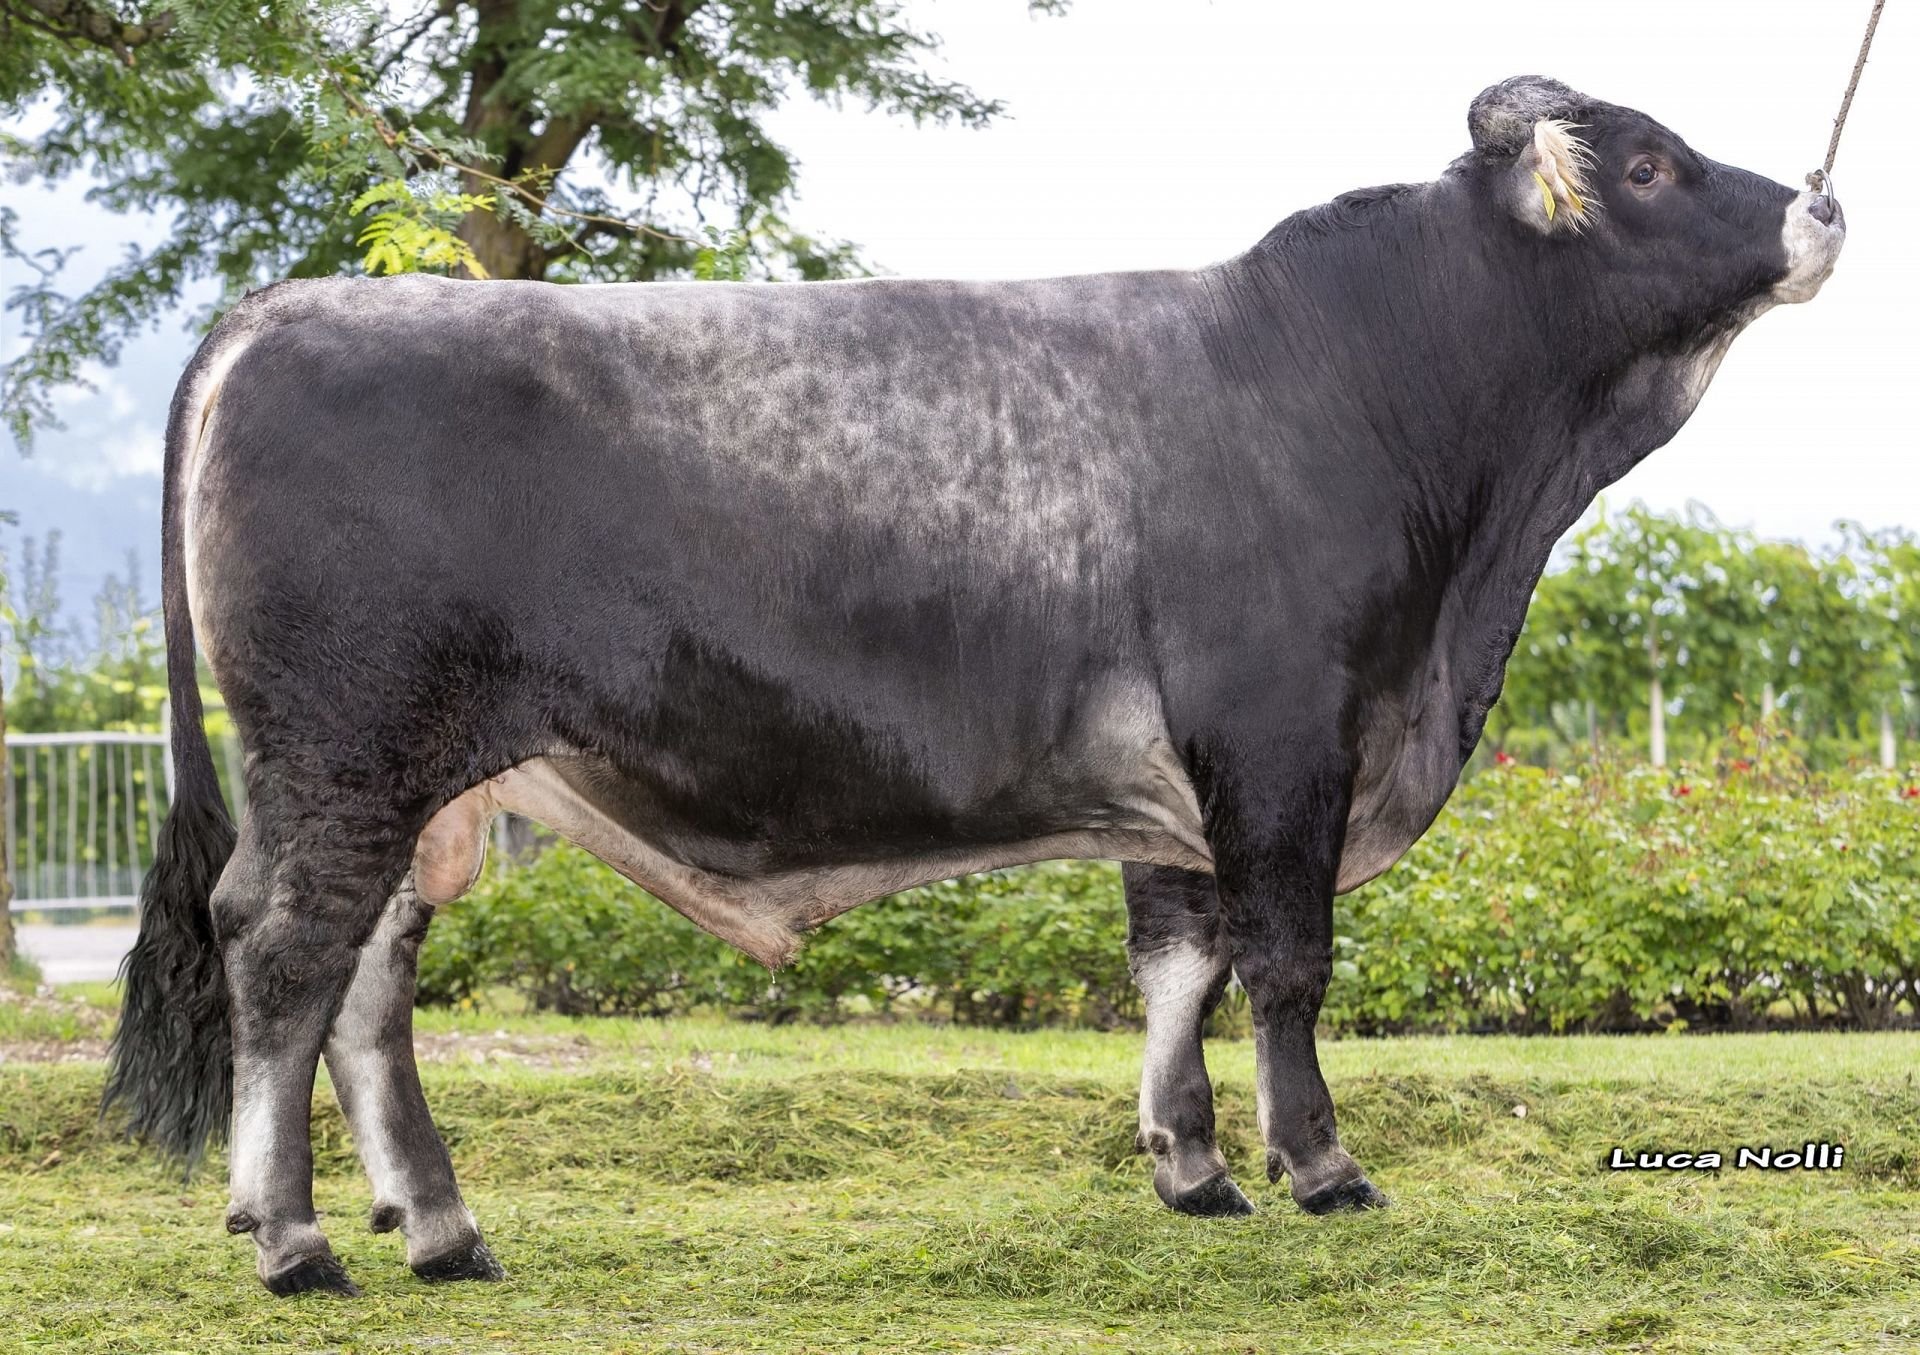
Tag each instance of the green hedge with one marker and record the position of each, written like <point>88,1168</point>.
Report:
<point>1042,945</point>
<point>1618,897</point>
<point>1626,897</point>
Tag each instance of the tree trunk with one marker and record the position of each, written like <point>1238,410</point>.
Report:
<point>502,248</point>
<point>1887,749</point>
<point>506,123</point>
<point>6,866</point>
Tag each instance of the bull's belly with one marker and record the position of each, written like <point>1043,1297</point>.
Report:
<point>1149,815</point>
<point>1146,813</point>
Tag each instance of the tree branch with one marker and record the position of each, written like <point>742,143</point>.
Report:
<point>405,146</point>
<point>673,18</point>
<point>440,9</point>
<point>72,20</point>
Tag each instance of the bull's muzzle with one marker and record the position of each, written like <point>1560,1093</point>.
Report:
<point>1813,232</point>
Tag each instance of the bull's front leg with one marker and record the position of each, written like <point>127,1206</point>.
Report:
<point>1276,830</point>
<point>1177,949</point>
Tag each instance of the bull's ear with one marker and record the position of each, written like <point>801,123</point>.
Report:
<point>1547,180</point>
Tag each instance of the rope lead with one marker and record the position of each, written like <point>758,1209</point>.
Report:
<point>1821,180</point>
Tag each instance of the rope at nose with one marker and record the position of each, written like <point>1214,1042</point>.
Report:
<point>1821,180</point>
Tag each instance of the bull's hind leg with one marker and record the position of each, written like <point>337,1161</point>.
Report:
<point>293,906</point>
<point>370,1058</point>
<point>1178,953</point>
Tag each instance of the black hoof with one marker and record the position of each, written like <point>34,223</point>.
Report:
<point>1359,1193</point>
<point>1214,1198</point>
<point>463,1263</point>
<point>313,1274</point>
<point>385,1218</point>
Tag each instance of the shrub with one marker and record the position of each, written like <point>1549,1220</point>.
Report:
<point>1617,897</point>
<point>575,938</point>
<point>1627,896</point>
<point>1043,945</point>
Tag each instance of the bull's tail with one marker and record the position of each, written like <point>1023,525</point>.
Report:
<point>171,1074</point>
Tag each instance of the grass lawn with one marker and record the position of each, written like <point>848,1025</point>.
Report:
<point>714,1186</point>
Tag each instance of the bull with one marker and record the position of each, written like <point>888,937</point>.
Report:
<point>778,599</point>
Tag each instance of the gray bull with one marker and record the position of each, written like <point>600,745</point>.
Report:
<point>781,598</point>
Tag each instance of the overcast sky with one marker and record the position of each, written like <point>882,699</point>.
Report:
<point>1143,134</point>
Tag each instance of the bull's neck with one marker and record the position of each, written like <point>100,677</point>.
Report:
<point>1440,348</point>
<point>1396,345</point>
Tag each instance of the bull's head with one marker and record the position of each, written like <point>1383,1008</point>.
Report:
<point>1688,239</point>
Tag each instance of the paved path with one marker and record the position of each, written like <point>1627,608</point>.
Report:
<point>75,954</point>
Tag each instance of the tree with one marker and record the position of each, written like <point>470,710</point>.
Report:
<point>70,676</point>
<point>1632,613</point>
<point>1671,614</point>
<point>1777,597</point>
<point>1887,638</point>
<point>562,139</point>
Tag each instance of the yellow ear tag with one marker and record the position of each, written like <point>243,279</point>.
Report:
<point>1546,194</point>
<point>1579,207</point>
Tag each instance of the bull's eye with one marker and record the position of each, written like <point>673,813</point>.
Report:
<point>1642,174</point>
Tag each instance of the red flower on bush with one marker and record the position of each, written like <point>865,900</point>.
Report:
<point>1741,764</point>
<point>1503,759</point>
<point>1910,793</point>
<point>1682,790</point>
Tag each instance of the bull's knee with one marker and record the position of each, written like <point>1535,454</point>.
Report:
<point>1285,990</point>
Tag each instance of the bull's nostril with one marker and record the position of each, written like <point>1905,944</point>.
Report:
<point>1821,209</point>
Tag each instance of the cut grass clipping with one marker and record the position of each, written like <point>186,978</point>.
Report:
<point>710,1185</point>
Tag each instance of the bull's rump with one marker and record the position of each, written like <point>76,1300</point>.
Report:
<point>808,584</point>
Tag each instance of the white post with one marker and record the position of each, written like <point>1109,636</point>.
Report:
<point>1887,748</point>
<point>1657,722</point>
<point>1767,702</point>
<point>1656,700</point>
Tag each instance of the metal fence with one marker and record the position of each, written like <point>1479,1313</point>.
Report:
<point>83,812</point>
